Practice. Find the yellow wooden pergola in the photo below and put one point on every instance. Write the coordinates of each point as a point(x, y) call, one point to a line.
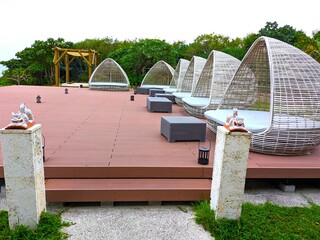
point(91, 57)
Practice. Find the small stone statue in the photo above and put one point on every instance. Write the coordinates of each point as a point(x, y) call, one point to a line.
point(235, 123)
point(22, 119)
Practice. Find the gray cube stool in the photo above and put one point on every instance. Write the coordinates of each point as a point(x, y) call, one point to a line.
point(181, 128)
point(166, 95)
point(153, 91)
point(143, 90)
point(159, 104)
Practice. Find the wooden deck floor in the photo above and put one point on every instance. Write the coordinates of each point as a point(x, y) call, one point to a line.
point(103, 135)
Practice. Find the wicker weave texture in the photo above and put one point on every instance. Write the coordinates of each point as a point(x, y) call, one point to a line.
point(109, 88)
point(161, 73)
point(277, 77)
point(192, 74)
point(179, 72)
point(213, 81)
point(109, 71)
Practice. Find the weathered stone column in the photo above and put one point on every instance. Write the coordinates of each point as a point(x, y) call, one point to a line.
point(24, 174)
point(229, 173)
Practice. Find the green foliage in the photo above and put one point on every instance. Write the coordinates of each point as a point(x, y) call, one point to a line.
point(266, 221)
point(49, 227)
point(204, 44)
point(136, 57)
point(141, 56)
point(36, 61)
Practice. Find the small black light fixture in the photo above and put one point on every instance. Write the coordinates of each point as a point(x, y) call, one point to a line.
point(38, 99)
point(203, 153)
point(66, 91)
point(135, 92)
point(132, 97)
point(43, 146)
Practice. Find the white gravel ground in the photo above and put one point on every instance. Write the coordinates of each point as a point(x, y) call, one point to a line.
point(160, 222)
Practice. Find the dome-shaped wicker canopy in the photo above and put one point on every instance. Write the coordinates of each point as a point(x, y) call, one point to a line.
point(178, 74)
point(158, 76)
point(109, 76)
point(277, 91)
point(213, 82)
point(186, 86)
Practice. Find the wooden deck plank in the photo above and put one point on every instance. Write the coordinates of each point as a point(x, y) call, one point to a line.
point(91, 190)
point(109, 134)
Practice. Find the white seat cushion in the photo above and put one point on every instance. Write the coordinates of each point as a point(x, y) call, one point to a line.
point(155, 86)
point(197, 102)
point(254, 121)
point(182, 94)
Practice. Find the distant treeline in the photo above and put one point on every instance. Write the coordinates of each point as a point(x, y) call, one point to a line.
point(34, 65)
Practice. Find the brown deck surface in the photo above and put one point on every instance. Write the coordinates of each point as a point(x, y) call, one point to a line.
point(98, 134)
point(103, 135)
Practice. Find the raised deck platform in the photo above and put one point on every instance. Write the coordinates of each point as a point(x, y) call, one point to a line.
point(96, 141)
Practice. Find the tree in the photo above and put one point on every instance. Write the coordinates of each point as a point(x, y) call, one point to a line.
point(36, 61)
point(204, 44)
point(17, 76)
point(286, 33)
point(142, 55)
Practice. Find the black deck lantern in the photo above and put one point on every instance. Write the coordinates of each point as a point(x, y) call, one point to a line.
point(132, 97)
point(38, 99)
point(203, 154)
point(66, 91)
point(43, 147)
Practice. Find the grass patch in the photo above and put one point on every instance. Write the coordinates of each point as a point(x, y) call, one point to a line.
point(267, 221)
point(49, 227)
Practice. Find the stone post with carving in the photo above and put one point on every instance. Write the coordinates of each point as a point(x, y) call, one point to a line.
point(229, 173)
point(24, 174)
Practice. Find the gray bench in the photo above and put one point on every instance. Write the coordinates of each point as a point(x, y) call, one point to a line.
point(159, 104)
point(143, 90)
point(183, 128)
point(153, 91)
point(171, 97)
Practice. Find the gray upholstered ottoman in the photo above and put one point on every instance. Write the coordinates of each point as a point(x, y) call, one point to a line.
point(159, 104)
point(153, 91)
point(143, 90)
point(171, 97)
point(181, 128)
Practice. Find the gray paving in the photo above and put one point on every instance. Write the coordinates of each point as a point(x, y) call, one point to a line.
point(161, 222)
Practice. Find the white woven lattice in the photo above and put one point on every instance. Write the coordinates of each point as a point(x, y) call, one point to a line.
point(107, 73)
point(161, 74)
point(179, 72)
point(213, 81)
point(281, 79)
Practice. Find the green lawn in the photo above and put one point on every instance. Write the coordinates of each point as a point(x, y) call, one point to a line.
point(267, 221)
point(49, 228)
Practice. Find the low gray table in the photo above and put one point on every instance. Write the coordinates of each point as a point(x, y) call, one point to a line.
point(143, 90)
point(153, 91)
point(181, 128)
point(166, 95)
point(159, 104)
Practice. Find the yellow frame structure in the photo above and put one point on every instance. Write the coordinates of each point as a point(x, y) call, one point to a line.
point(91, 57)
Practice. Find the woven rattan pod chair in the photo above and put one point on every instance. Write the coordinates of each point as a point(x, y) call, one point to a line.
point(277, 91)
point(214, 79)
point(188, 83)
point(109, 76)
point(178, 75)
point(159, 76)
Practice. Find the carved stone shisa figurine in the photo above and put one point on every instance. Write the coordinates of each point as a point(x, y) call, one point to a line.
point(235, 123)
point(22, 119)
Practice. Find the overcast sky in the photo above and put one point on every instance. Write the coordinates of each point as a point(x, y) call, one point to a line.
point(24, 21)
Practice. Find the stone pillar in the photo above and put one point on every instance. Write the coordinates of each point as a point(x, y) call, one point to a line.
point(229, 173)
point(24, 174)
